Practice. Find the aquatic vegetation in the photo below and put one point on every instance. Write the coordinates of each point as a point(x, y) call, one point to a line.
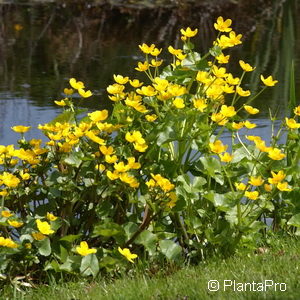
point(155, 178)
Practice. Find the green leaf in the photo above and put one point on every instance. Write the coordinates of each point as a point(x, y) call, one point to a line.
point(224, 202)
point(74, 159)
point(167, 135)
point(130, 228)
point(44, 247)
point(211, 165)
point(294, 220)
point(191, 61)
point(70, 238)
point(108, 230)
point(215, 51)
point(65, 117)
point(108, 262)
point(71, 264)
point(148, 240)
point(170, 249)
point(198, 182)
point(89, 265)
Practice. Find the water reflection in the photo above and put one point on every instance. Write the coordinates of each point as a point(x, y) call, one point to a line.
point(42, 46)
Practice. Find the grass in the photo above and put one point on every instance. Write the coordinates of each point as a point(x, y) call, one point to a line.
point(280, 263)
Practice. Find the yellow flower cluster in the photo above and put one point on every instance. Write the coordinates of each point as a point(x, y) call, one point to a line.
point(160, 181)
point(121, 171)
point(7, 242)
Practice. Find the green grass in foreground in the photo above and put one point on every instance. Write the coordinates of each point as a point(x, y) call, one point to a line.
point(279, 264)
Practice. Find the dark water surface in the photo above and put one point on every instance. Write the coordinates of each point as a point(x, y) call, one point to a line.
point(42, 46)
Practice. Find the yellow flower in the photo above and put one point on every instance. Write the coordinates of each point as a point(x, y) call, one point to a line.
point(142, 67)
point(132, 163)
point(256, 181)
point(228, 89)
point(18, 27)
point(179, 103)
point(202, 76)
point(240, 186)
point(84, 249)
point(231, 80)
point(6, 213)
point(223, 26)
point(251, 110)
point(24, 176)
point(28, 245)
point(131, 180)
point(253, 138)
point(120, 167)
point(92, 136)
point(217, 147)
point(135, 83)
point(246, 67)
point(112, 175)
point(267, 187)
point(261, 145)
point(237, 126)
point(297, 110)
point(20, 128)
point(134, 136)
point(173, 200)
point(222, 59)
point(155, 52)
point(276, 154)
point(219, 118)
point(189, 32)
point(68, 91)
point(226, 157)
point(140, 147)
point(219, 72)
point(85, 94)
point(51, 217)
point(151, 183)
point(111, 159)
point(98, 115)
point(9, 180)
point(60, 103)
point(268, 81)
point(15, 224)
point(151, 118)
point(174, 51)
point(146, 91)
point(120, 79)
point(283, 186)
point(76, 84)
point(156, 63)
point(291, 123)
point(252, 195)
point(115, 88)
point(228, 111)
point(276, 178)
point(106, 150)
point(100, 167)
point(249, 125)
point(128, 255)
point(44, 227)
point(176, 90)
point(242, 92)
point(147, 49)
point(3, 192)
point(200, 104)
point(7, 242)
point(234, 39)
point(163, 183)
point(38, 236)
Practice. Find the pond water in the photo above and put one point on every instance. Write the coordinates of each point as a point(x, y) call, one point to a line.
point(42, 46)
